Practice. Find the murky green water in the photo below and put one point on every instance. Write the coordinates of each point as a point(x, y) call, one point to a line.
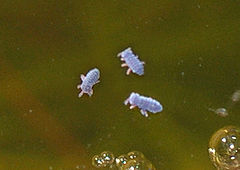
point(191, 50)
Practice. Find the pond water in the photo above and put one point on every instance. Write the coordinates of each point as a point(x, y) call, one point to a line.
point(191, 51)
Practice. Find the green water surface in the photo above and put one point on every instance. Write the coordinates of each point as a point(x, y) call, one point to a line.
point(191, 50)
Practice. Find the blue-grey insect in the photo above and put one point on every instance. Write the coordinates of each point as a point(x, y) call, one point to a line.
point(88, 81)
point(132, 62)
point(143, 103)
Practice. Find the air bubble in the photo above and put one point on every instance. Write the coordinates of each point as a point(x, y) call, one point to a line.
point(139, 165)
point(135, 155)
point(97, 161)
point(121, 161)
point(108, 157)
point(105, 159)
point(224, 148)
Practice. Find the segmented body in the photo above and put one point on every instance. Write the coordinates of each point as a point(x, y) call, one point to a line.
point(132, 61)
point(88, 81)
point(144, 104)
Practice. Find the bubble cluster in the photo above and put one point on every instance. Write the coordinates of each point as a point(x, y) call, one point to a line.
point(105, 159)
point(134, 160)
point(224, 148)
